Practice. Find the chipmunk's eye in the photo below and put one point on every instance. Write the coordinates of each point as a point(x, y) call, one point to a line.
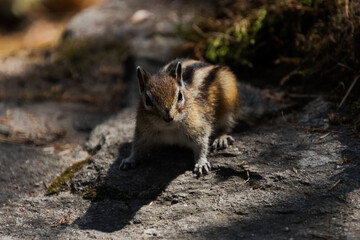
point(148, 101)
point(180, 96)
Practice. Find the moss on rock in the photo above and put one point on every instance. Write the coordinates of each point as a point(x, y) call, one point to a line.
point(63, 181)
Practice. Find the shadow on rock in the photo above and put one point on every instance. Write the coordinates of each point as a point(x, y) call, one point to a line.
point(275, 183)
point(120, 194)
point(309, 212)
point(318, 200)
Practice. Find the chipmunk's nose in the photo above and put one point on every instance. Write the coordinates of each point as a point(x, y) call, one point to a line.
point(167, 116)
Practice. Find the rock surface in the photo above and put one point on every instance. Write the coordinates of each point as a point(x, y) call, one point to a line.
point(272, 184)
point(296, 178)
point(276, 182)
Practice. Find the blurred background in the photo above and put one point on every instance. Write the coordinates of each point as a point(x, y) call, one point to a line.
point(85, 51)
point(35, 23)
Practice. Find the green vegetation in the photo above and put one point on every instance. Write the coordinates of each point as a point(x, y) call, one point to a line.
point(233, 45)
point(312, 46)
point(305, 2)
point(62, 182)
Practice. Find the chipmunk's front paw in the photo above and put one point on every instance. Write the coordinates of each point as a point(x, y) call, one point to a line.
point(202, 168)
point(222, 142)
point(128, 162)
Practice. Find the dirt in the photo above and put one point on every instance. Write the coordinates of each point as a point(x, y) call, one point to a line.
point(294, 177)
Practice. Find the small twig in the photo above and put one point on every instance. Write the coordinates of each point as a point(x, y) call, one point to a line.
point(322, 130)
point(248, 177)
point(323, 236)
point(65, 220)
point(303, 8)
point(310, 129)
point(348, 91)
point(45, 185)
point(292, 73)
point(264, 162)
point(199, 31)
point(335, 184)
point(241, 163)
point(294, 95)
point(324, 136)
point(347, 8)
point(198, 52)
point(345, 66)
point(15, 140)
point(224, 35)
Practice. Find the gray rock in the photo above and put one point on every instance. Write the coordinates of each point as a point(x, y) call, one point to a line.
point(265, 191)
point(276, 182)
point(154, 37)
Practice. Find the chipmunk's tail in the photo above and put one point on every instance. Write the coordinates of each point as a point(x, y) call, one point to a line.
point(255, 104)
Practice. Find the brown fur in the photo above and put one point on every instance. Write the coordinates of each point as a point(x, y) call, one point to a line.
point(173, 110)
point(163, 89)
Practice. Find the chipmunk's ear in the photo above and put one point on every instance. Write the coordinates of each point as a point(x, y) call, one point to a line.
point(178, 74)
point(143, 77)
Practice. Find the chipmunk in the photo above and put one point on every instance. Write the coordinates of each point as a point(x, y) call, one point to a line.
point(185, 103)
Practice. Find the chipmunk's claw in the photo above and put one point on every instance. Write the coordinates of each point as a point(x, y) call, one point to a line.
point(202, 168)
point(127, 163)
point(222, 142)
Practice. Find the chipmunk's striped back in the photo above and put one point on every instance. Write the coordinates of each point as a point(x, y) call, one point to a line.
point(185, 103)
point(213, 86)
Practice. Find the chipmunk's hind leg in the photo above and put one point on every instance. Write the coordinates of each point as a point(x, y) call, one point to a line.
point(222, 139)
